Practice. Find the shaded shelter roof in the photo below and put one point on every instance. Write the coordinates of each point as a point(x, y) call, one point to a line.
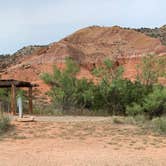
point(17, 83)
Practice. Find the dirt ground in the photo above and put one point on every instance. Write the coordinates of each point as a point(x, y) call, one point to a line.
point(80, 141)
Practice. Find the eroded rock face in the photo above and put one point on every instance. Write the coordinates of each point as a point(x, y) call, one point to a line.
point(88, 47)
point(6, 61)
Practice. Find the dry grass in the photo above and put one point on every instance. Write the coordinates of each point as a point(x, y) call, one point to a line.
point(109, 132)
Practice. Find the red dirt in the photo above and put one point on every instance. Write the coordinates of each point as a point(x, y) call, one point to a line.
point(80, 141)
point(89, 47)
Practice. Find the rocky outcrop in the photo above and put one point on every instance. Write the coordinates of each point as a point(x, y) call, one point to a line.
point(6, 61)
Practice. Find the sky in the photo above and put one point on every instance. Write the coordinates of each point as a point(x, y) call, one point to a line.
point(39, 22)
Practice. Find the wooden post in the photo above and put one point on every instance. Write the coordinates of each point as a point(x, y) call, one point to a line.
point(1, 111)
point(13, 99)
point(30, 101)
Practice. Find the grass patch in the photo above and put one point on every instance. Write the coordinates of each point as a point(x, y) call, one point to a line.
point(130, 120)
point(133, 120)
point(47, 111)
point(118, 120)
point(157, 125)
point(19, 137)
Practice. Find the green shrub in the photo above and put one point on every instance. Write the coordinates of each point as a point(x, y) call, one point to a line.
point(150, 69)
point(4, 94)
point(159, 125)
point(134, 109)
point(152, 105)
point(4, 123)
point(155, 103)
point(66, 90)
point(118, 95)
point(113, 94)
point(140, 119)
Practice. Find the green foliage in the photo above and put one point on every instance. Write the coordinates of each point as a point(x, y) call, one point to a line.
point(159, 125)
point(5, 97)
point(4, 123)
point(117, 93)
point(152, 105)
point(140, 119)
point(109, 90)
point(21, 93)
point(109, 71)
point(113, 94)
point(150, 69)
point(66, 90)
point(134, 109)
point(4, 94)
point(155, 103)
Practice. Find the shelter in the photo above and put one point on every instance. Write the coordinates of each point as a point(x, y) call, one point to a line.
point(13, 84)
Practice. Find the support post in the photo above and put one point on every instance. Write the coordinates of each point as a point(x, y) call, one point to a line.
point(30, 101)
point(1, 111)
point(13, 99)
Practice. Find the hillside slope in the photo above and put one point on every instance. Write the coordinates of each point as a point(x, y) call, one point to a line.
point(159, 33)
point(89, 47)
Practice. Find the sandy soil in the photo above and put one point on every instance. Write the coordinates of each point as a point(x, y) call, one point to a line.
point(80, 141)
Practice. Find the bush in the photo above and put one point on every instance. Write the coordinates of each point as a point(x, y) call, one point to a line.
point(155, 103)
point(141, 119)
point(150, 69)
point(121, 95)
point(159, 125)
point(4, 123)
point(152, 105)
point(66, 90)
point(113, 94)
point(134, 109)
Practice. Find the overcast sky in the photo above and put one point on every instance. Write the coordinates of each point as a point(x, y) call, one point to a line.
point(29, 22)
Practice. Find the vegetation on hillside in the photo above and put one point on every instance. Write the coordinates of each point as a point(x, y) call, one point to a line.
point(151, 69)
point(113, 94)
point(159, 33)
